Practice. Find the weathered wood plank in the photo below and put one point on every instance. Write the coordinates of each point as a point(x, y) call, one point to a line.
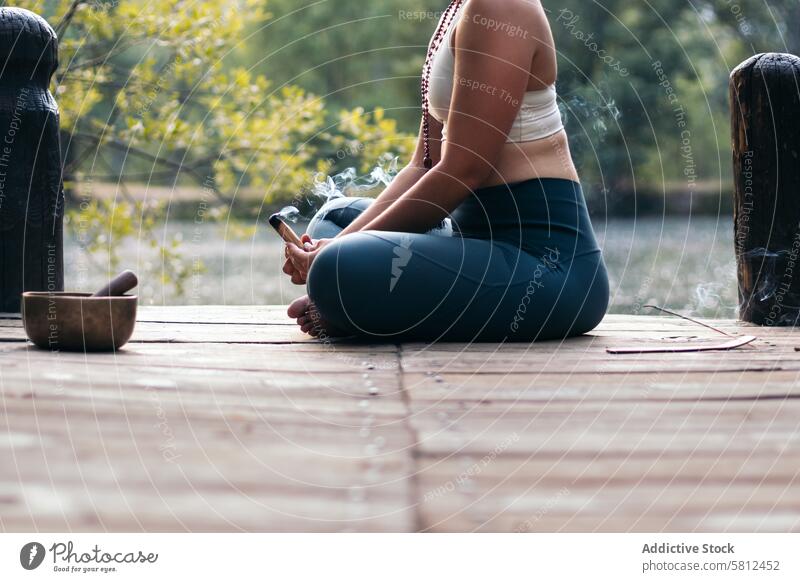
point(608, 493)
point(132, 383)
point(240, 357)
point(216, 314)
point(589, 428)
point(207, 424)
point(249, 412)
point(161, 332)
point(637, 507)
point(594, 363)
point(517, 389)
point(211, 314)
point(93, 457)
point(82, 509)
point(270, 324)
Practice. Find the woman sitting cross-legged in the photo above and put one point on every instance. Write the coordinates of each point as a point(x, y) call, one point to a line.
point(522, 262)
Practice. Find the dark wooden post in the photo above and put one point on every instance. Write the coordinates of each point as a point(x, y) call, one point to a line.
point(31, 192)
point(765, 102)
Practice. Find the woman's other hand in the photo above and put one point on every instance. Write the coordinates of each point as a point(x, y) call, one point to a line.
point(288, 265)
point(299, 260)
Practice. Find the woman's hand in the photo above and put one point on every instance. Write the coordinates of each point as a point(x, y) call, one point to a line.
point(298, 261)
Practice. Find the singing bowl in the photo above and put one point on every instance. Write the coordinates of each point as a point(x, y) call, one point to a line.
point(78, 322)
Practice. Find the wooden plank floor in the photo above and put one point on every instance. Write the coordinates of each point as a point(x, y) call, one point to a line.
point(228, 419)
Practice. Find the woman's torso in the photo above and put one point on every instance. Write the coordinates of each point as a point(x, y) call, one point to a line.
point(548, 157)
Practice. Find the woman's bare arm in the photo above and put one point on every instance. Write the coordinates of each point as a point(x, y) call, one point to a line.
point(299, 260)
point(492, 74)
point(404, 180)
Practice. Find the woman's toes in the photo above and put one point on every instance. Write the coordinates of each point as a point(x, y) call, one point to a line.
point(299, 307)
point(312, 328)
point(309, 319)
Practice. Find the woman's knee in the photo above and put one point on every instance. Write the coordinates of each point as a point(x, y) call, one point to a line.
point(333, 281)
point(347, 277)
point(335, 215)
point(322, 275)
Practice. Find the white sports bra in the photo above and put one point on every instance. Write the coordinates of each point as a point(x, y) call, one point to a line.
point(538, 116)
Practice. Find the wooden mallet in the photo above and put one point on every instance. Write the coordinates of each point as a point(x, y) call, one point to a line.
point(119, 285)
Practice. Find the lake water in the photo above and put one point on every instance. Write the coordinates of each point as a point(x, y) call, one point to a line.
point(683, 263)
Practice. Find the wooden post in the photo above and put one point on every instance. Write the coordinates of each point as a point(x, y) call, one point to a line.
point(31, 192)
point(765, 103)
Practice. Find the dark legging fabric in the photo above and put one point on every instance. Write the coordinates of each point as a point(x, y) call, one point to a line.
point(522, 264)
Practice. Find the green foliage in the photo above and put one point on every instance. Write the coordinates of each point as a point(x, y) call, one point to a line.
point(759, 26)
point(153, 92)
point(248, 96)
point(105, 224)
point(665, 84)
point(366, 54)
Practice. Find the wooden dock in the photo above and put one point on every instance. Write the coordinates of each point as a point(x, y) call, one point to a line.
point(229, 419)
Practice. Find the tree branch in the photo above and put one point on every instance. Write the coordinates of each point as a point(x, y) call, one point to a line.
point(142, 154)
point(62, 26)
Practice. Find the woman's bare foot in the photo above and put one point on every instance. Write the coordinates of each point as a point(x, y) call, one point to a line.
point(310, 320)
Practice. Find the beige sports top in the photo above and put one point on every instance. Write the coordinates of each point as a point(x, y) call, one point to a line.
point(538, 116)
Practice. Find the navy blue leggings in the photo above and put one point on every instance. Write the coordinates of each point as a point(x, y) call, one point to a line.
point(522, 264)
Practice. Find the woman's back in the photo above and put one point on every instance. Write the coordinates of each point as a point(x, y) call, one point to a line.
point(537, 145)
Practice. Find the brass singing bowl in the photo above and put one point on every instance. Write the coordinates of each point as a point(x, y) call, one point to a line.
point(77, 321)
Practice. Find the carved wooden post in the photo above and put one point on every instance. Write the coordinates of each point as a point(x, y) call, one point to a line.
point(765, 102)
point(31, 192)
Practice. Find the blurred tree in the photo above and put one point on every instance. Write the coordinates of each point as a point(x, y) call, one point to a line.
point(761, 25)
point(368, 54)
point(640, 96)
point(149, 92)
